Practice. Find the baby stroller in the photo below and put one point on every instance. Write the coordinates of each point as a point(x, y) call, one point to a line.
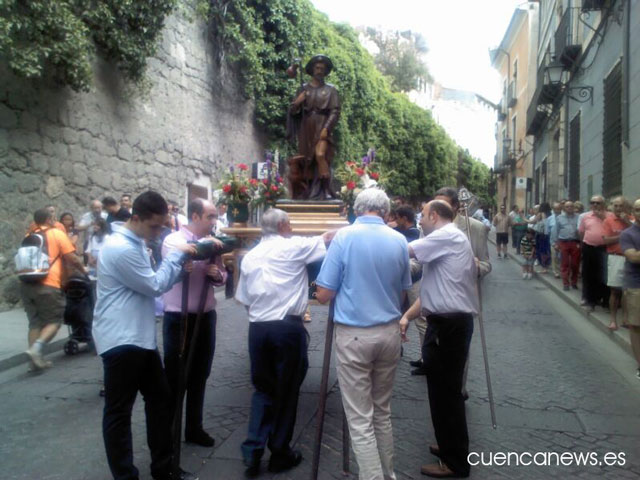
point(78, 314)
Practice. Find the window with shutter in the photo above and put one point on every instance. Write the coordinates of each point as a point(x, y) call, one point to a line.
point(574, 158)
point(612, 134)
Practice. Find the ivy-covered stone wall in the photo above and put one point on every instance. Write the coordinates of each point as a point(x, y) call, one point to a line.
point(185, 124)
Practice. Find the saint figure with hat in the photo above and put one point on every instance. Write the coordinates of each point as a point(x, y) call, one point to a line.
point(313, 114)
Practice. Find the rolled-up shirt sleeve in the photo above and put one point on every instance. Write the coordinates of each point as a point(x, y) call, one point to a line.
point(134, 271)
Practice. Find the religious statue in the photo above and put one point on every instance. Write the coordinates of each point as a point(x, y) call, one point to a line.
point(313, 114)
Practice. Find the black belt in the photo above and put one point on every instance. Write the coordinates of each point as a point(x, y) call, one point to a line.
point(292, 318)
point(563, 240)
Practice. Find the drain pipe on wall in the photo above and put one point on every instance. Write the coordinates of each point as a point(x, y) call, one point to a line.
point(626, 72)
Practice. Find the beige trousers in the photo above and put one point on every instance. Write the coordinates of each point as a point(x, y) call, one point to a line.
point(555, 261)
point(366, 363)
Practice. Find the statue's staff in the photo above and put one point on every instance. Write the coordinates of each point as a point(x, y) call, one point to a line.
point(466, 200)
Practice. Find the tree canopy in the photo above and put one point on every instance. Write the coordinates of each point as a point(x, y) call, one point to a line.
point(399, 57)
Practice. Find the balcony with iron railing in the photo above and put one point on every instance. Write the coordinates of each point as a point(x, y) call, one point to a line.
point(568, 47)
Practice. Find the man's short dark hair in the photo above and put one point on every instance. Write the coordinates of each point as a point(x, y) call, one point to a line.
point(41, 216)
point(109, 201)
point(125, 195)
point(442, 208)
point(195, 206)
point(451, 193)
point(406, 212)
point(148, 204)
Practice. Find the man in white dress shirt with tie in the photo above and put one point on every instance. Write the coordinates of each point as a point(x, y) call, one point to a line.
point(273, 285)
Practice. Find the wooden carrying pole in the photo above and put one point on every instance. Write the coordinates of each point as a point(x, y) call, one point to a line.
point(322, 403)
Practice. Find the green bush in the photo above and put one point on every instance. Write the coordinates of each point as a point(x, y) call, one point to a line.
point(58, 39)
point(260, 38)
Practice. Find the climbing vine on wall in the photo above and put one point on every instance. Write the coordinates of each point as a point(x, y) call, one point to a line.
point(58, 39)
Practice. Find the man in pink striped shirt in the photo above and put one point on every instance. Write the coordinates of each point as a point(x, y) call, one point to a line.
point(202, 219)
point(594, 254)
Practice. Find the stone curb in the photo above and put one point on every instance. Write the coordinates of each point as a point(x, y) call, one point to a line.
point(20, 358)
point(592, 317)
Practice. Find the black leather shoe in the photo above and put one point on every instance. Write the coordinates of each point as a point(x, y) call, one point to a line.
point(419, 371)
point(179, 475)
point(280, 463)
point(253, 464)
point(416, 363)
point(201, 438)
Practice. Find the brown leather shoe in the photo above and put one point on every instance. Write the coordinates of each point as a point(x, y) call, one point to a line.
point(439, 470)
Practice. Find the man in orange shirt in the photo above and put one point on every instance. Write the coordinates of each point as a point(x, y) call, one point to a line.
point(44, 302)
point(612, 227)
point(56, 224)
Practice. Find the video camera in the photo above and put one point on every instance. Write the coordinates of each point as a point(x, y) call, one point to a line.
point(206, 249)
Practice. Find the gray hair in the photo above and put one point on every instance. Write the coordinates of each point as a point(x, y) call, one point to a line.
point(272, 219)
point(372, 200)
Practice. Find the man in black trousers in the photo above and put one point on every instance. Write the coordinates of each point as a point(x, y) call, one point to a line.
point(203, 274)
point(273, 285)
point(448, 300)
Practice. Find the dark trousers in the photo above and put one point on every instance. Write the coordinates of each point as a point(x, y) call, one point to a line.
point(516, 236)
point(127, 370)
point(570, 261)
point(445, 350)
point(594, 275)
point(278, 352)
point(204, 348)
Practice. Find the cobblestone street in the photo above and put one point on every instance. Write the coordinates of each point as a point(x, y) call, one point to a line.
point(559, 386)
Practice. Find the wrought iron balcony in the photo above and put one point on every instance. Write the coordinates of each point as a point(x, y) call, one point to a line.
point(536, 115)
point(568, 48)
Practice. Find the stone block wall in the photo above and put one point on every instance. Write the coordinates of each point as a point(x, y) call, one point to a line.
point(66, 148)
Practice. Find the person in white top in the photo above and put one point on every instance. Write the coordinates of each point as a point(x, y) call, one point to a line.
point(273, 285)
point(96, 242)
point(448, 298)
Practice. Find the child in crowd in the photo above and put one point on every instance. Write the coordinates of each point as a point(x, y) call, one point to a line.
point(528, 251)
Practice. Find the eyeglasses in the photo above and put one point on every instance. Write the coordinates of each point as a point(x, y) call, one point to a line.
point(596, 203)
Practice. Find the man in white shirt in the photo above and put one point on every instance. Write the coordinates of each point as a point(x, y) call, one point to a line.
point(448, 299)
point(273, 285)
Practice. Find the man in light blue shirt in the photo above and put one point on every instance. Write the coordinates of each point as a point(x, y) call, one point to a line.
point(124, 330)
point(367, 270)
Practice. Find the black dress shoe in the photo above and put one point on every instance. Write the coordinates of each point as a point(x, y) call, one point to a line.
point(416, 363)
point(253, 464)
point(179, 475)
point(200, 437)
point(419, 371)
point(280, 463)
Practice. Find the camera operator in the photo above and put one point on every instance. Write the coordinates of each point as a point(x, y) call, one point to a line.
point(202, 218)
point(124, 330)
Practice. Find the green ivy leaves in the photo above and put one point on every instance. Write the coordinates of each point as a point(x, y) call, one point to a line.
point(58, 38)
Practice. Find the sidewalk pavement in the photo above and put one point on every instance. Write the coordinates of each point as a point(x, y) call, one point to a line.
point(598, 317)
point(13, 338)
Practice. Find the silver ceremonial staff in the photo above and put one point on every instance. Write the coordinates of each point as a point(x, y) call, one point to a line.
point(466, 200)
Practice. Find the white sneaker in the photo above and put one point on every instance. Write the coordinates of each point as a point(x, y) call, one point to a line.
point(524, 276)
point(37, 360)
point(529, 276)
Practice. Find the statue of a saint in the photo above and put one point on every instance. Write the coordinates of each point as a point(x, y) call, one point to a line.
point(313, 114)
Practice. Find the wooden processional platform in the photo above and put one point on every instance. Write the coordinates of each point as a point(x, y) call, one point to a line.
point(308, 218)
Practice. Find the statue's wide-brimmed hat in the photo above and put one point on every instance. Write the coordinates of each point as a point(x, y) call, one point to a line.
point(316, 59)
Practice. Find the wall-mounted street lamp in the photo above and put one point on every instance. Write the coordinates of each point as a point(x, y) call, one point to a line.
point(510, 151)
point(553, 74)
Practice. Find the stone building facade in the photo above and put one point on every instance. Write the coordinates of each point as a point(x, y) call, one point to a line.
point(584, 113)
point(65, 148)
